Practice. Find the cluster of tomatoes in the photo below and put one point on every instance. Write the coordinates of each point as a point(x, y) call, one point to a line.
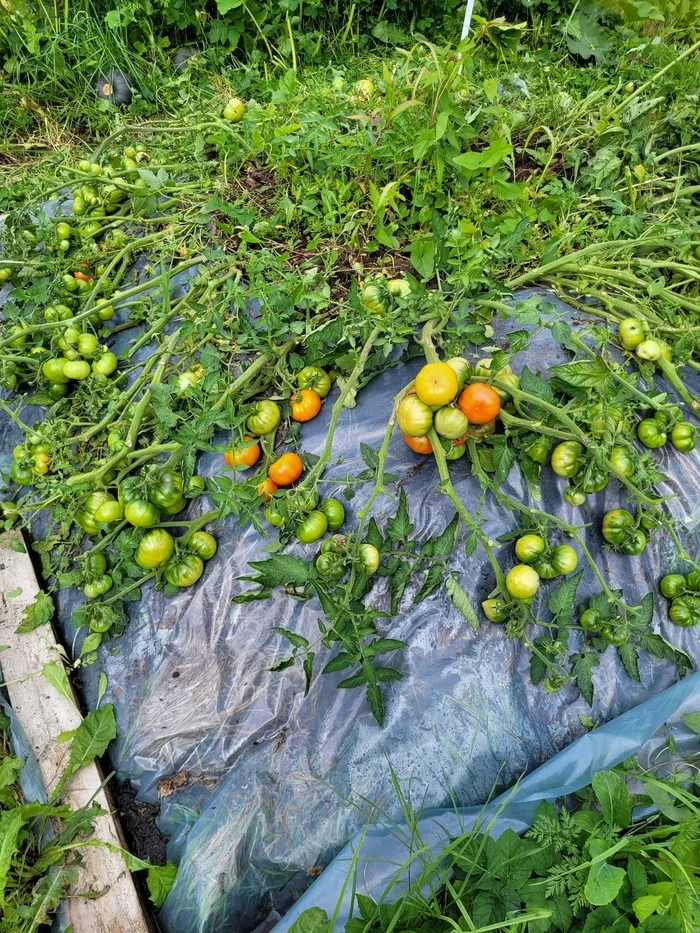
point(102, 196)
point(283, 504)
point(31, 459)
point(441, 399)
point(684, 593)
point(539, 561)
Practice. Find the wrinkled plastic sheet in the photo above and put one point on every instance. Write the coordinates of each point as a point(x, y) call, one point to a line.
point(374, 859)
point(268, 781)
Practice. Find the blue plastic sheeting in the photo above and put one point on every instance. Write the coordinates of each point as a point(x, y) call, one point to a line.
point(269, 779)
point(374, 856)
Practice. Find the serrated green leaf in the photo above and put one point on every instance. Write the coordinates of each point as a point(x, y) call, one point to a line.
point(536, 385)
point(629, 656)
point(293, 637)
point(37, 613)
point(444, 544)
point(582, 671)
point(563, 599)
point(503, 457)
point(282, 570)
point(399, 527)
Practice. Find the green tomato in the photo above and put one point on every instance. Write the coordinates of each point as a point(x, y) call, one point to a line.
point(590, 620)
point(314, 526)
point(22, 472)
point(264, 418)
point(495, 610)
point(63, 230)
point(95, 565)
point(98, 587)
point(58, 390)
point(545, 569)
point(597, 480)
point(115, 441)
point(374, 297)
point(195, 487)
point(566, 458)
point(234, 111)
point(522, 582)
point(414, 417)
point(54, 370)
point(108, 512)
point(76, 369)
point(622, 461)
point(509, 379)
point(101, 623)
point(693, 581)
point(672, 585)
point(79, 206)
point(6, 274)
point(334, 511)
point(564, 559)
point(274, 516)
point(450, 423)
point(574, 496)
point(313, 377)
point(483, 369)
point(650, 433)
point(86, 515)
point(166, 491)
point(462, 368)
point(155, 549)
point(649, 350)
point(636, 544)
point(331, 566)
point(398, 288)
point(203, 544)
point(106, 313)
point(370, 557)
point(615, 634)
point(184, 570)
point(681, 614)
point(176, 507)
point(529, 547)
point(130, 489)
point(683, 437)
point(141, 513)
point(539, 449)
point(631, 333)
point(106, 364)
point(617, 525)
point(456, 451)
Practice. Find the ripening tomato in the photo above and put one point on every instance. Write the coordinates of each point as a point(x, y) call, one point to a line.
point(109, 511)
point(436, 384)
point(243, 457)
point(141, 513)
point(421, 444)
point(451, 423)
point(399, 288)
point(522, 582)
point(529, 547)
point(413, 416)
point(479, 402)
point(370, 557)
point(494, 610)
point(306, 404)
point(462, 368)
point(564, 559)
point(566, 458)
point(155, 549)
point(286, 470)
point(266, 487)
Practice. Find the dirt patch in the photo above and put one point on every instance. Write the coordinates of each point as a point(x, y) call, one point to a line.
point(138, 821)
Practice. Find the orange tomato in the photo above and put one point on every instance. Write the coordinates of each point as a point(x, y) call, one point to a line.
point(81, 276)
point(420, 444)
point(286, 470)
point(479, 402)
point(306, 404)
point(243, 456)
point(266, 488)
point(436, 384)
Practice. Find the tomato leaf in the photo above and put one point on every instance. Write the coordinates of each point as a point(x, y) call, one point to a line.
point(589, 374)
point(503, 457)
point(308, 668)
point(629, 656)
point(293, 637)
point(281, 570)
point(37, 613)
point(536, 385)
point(582, 670)
point(376, 702)
point(399, 527)
point(563, 599)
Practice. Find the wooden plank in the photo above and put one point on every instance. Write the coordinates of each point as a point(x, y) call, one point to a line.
point(43, 713)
